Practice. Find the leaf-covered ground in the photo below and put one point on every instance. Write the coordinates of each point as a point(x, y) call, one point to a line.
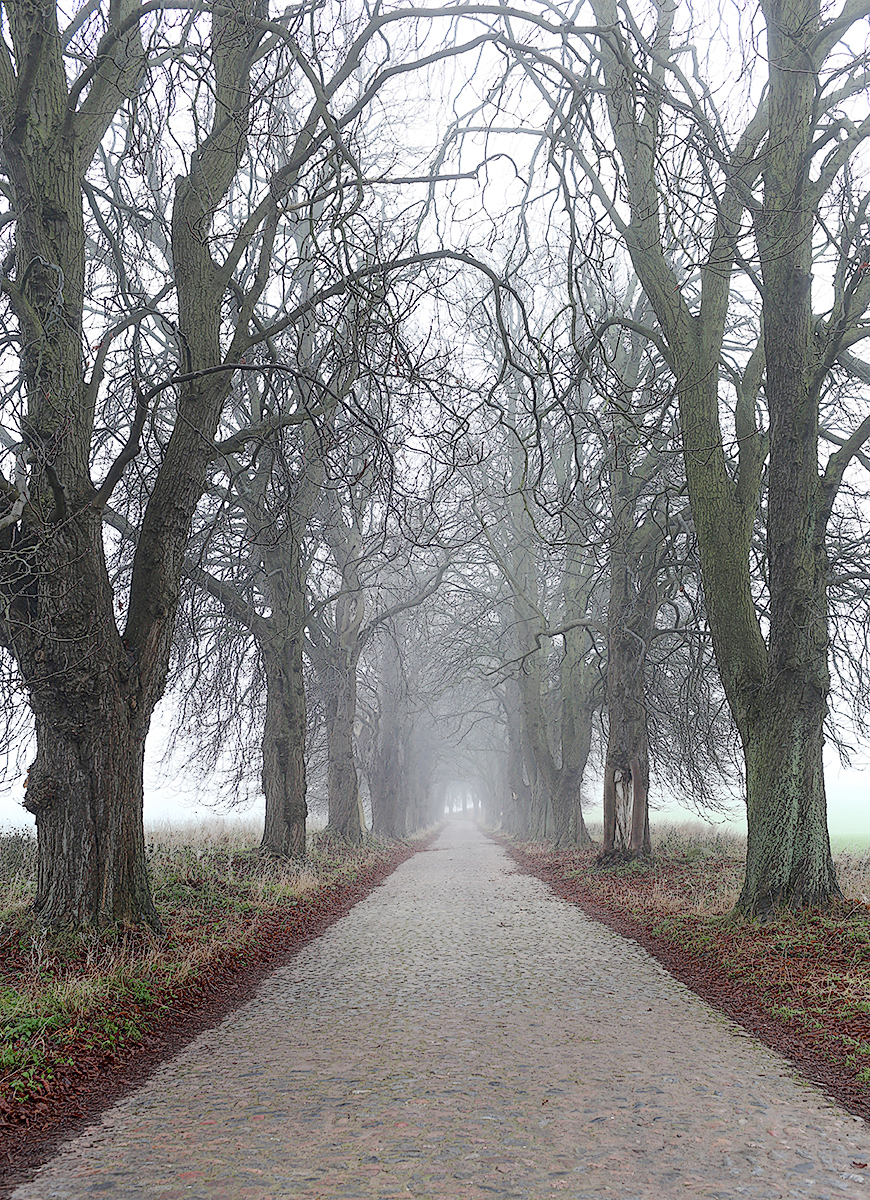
point(802, 984)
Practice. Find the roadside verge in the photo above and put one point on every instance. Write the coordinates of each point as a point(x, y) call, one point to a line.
point(85, 1065)
point(801, 985)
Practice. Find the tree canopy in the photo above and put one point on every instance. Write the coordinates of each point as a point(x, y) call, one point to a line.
point(536, 328)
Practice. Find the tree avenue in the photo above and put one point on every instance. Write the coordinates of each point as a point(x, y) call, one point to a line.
point(777, 687)
point(353, 389)
point(730, 222)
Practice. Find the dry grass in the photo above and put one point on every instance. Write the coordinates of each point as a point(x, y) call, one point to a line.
point(698, 869)
point(805, 977)
point(216, 897)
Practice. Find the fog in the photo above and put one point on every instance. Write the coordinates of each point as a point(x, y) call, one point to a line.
point(848, 805)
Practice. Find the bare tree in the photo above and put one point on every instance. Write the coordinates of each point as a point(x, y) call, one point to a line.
point(118, 77)
point(710, 203)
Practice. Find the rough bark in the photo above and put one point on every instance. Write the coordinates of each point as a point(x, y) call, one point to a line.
point(284, 757)
point(93, 689)
point(788, 852)
point(776, 688)
point(91, 711)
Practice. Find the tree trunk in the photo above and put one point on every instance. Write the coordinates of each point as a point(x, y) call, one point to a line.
point(339, 681)
point(284, 751)
point(582, 835)
point(517, 817)
point(777, 690)
point(85, 790)
point(788, 860)
point(788, 853)
point(538, 807)
point(92, 691)
point(387, 815)
point(633, 562)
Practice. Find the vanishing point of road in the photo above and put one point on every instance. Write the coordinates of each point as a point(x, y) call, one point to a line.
point(462, 1034)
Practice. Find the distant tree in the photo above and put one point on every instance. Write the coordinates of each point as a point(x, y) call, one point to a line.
point(663, 693)
point(267, 498)
point(369, 579)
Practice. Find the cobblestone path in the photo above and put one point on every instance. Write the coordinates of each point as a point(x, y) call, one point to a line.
point(463, 1035)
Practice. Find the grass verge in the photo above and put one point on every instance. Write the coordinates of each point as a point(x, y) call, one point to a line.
point(802, 984)
point(74, 1008)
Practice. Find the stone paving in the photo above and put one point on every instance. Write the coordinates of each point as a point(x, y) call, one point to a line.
point(464, 1035)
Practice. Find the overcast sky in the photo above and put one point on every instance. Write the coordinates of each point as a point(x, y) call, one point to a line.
point(848, 802)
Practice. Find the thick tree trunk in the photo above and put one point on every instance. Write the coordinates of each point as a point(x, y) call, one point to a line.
point(788, 854)
point(342, 779)
point(92, 709)
point(284, 752)
point(85, 789)
point(777, 690)
point(788, 860)
point(92, 692)
point(626, 767)
point(538, 808)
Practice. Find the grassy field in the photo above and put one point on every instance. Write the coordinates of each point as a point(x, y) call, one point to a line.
point(854, 843)
point(73, 1002)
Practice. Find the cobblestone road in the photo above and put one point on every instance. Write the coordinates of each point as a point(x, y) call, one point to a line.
point(463, 1035)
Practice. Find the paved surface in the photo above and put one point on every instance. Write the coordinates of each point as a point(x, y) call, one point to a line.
point(463, 1035)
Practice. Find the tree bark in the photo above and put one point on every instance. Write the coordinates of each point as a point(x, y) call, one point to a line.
point(777, 689)
point(90, 706)
point(93, 691)
point(788, 852)
point(85, 784)
point(517, 816)
point(338, 680)
point(633, 560)
point(284, 783)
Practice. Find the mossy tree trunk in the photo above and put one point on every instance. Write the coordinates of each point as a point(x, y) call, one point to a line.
point(788, 855)
point(777, 685)
point(92, 687)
